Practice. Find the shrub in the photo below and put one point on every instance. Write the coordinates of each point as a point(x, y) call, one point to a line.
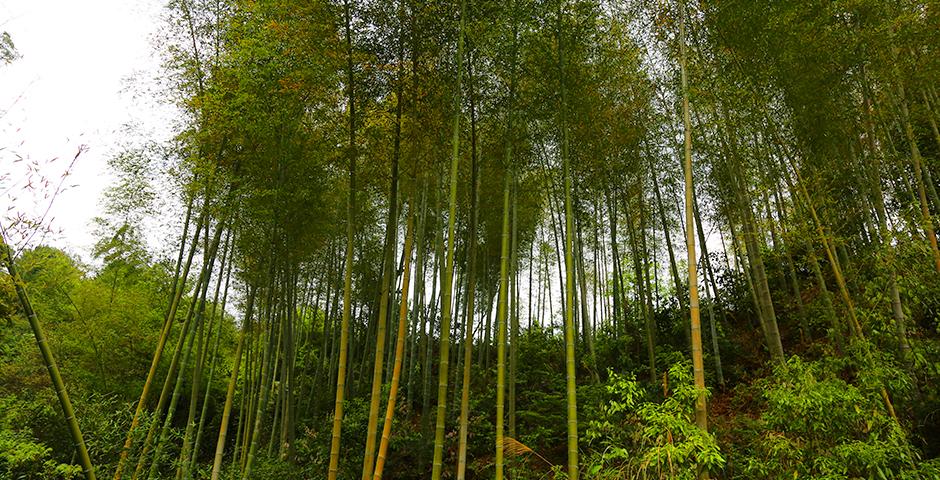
point(658, 439)
point(815, 424)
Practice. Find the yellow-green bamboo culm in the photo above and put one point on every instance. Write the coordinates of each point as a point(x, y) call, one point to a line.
point(49, 361)
point(399, 349)
point(447, 279)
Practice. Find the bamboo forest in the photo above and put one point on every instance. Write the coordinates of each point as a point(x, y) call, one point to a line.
point(480, 239)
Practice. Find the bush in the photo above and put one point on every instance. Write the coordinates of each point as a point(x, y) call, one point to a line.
point(658, 439)
point(815, 424)
point(22, 458)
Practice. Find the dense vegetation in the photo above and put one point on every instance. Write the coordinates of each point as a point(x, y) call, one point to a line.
point(480, 239)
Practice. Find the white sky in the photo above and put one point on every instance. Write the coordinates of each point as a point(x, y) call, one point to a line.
point(68, 89)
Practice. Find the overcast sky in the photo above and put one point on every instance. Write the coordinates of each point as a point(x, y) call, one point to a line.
point(69, 89)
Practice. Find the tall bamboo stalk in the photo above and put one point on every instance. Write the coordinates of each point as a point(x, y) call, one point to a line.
point(501, 318)
point(48, 360)
point(448, 274)
point(350, 245)
point(571, 384)
point(175, 296)
point(701, 418)
point(230, 392)
point(471, 295)
point(399, 346)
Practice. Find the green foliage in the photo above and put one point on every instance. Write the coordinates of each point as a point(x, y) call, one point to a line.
point(638, 435)
point(813, 423)
point(540, 389)
point(22, 458)
point(102, 326)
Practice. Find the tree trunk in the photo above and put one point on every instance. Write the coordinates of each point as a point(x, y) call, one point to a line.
point(179, 280)
point(399, 346)
point(571, 385)
point(501, 319)
point(471, 286)
point(350, 233)
point(391, 239)
point(49, 361)
point(230, 392)
point(447, 280)
point(701, 418)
